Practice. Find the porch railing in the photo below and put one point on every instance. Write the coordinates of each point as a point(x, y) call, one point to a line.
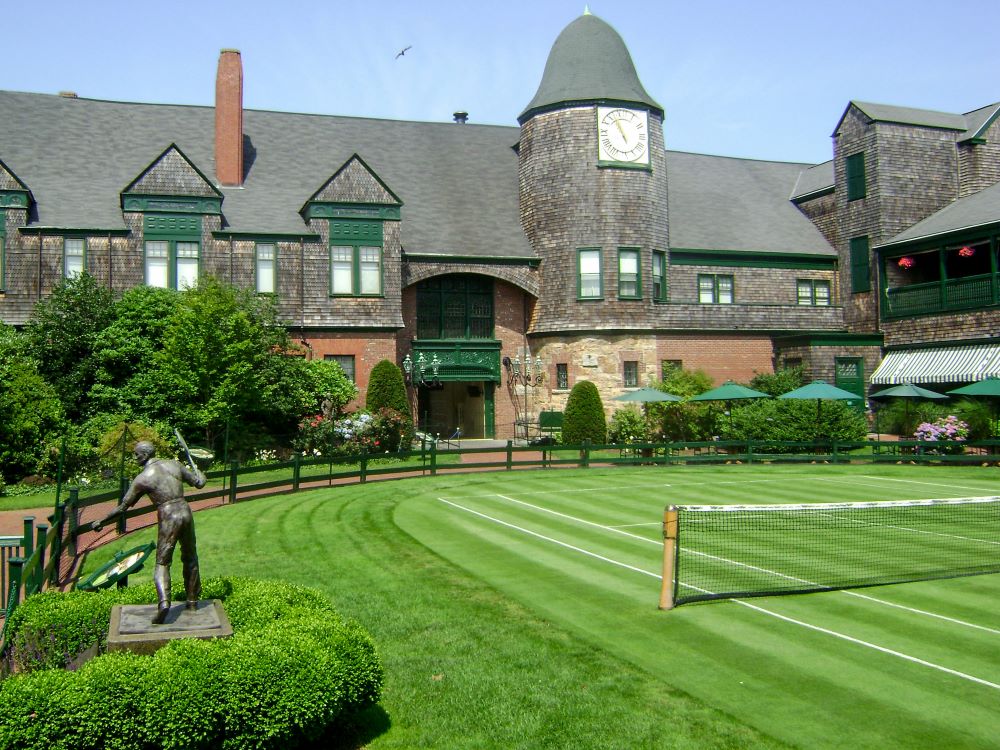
point(941, 296)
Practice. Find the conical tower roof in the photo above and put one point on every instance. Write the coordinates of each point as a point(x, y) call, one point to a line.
point(589, 62)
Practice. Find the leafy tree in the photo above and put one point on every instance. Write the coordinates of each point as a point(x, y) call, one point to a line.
point(61, 336)
point(628, 425)
point(683, 421)
point(31, 415)
point(330, 385)
point(583, 417)
point(386, 389)
point(222, 360)
point(125, 352)
point(779, 382)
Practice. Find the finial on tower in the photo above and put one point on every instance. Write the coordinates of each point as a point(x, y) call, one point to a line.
point(586, 10)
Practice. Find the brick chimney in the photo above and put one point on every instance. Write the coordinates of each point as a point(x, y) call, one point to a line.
point(229, 119)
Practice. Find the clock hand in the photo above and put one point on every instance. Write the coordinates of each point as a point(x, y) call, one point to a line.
point(621, 130)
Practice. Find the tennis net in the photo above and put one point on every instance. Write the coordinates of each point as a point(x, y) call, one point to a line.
point(737, 551)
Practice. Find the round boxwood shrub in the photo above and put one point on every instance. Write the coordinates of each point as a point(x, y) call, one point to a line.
point(291, 672)
point(583, 417)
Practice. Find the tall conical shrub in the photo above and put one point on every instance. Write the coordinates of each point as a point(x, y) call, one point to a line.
point(583, 418)
point(386, 389)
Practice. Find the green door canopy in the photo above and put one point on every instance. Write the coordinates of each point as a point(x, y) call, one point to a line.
point(823, 391)
point(908, 390)
point(988, 387)
point(647, 395)
point(729, 391)
point(461, 361)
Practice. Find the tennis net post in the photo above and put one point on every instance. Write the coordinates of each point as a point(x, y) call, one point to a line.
point(668, 581)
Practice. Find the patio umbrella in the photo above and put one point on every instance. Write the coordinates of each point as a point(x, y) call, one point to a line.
point(990, 387)
point(647, 395)
point(821, 391)
point(729, 392)
point(906, 391)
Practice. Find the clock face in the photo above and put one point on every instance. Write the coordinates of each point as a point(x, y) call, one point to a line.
point(622, 135)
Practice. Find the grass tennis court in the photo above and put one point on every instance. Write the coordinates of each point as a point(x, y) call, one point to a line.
point(519, 609)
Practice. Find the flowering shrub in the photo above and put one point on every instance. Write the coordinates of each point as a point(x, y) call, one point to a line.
point(384, 432)
point(906, 262)
point(947, 432)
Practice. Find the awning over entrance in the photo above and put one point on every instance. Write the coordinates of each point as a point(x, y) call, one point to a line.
point(946, 364)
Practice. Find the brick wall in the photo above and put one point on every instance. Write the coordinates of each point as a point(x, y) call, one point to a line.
point(368, 349)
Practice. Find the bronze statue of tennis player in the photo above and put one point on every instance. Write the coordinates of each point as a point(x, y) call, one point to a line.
point(161, 480)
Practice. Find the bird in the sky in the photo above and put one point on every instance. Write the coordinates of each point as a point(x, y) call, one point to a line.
point(402, 52)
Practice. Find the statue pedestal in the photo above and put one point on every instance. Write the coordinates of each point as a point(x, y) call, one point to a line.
point(132, 628)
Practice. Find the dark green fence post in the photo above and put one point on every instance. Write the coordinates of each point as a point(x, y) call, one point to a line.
point(834, 452)
point(585, 455)
point(234, 468)
point(14, 566)
point(58, 519)
point(28, 538)
point(434, 448)
point(40, 533)
point(510, 454)
point(363, 466)
point(74, 499)
point(296, 472)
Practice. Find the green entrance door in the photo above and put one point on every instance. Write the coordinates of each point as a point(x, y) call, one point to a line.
point(850, 376)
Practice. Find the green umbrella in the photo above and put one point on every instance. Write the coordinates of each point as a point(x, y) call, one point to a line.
point(989, 387)
point(729, 392)
point(907, 391)
point(647, 395)
point(821, 391)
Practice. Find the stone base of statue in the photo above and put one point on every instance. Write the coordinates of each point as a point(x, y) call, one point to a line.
point(132, 628)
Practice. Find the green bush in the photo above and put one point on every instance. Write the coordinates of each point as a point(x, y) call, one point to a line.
point(628, 425)
point(290, 673)
point(583, 417)
point(386, 389)
point(793, 421)
point(683, 421)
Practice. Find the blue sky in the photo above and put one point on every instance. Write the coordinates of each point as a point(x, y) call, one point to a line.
point(765, 79)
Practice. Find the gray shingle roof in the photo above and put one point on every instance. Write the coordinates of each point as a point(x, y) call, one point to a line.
point(812, 180)
point(458, 183)
point(720, 203)
point(910, 116)
point(588, 62)
point(976, 210)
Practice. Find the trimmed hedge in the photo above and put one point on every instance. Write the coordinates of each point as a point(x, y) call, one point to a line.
point(291, 672)
point(583, 417)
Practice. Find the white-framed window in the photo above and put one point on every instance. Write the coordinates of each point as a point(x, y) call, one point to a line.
point(172, 264)
point(355, 270)
point(659, 276)
point(74, 256)
point(629, 280)
point(267, 261)
point(814, 292)
point(715, 289)
point(589, 273)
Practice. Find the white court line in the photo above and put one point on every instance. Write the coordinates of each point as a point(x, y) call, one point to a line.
point(817, 628)
point(845, 592)
point(930, 484)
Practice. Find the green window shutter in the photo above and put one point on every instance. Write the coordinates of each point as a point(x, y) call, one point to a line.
point(355, 232)
point(3, 254)
point(856, 185)
point(861, 277)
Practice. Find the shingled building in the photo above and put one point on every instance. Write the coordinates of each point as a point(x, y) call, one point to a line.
point(575, 246)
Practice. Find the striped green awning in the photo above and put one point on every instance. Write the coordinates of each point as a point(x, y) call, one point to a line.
point(946, 364)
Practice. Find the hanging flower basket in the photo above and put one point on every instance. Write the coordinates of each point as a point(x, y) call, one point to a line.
point(966, 252)
point(906, 262)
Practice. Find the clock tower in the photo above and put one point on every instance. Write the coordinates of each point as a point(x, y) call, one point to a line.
point(593, 189)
